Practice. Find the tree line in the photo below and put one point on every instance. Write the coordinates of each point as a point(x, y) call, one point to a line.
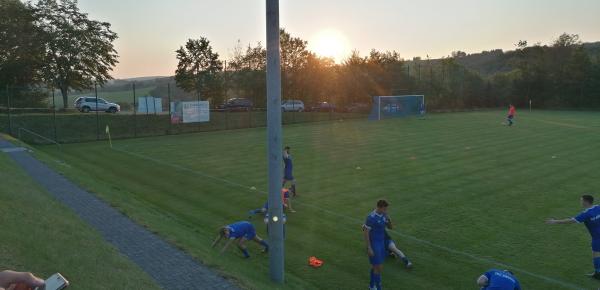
point(51, 43)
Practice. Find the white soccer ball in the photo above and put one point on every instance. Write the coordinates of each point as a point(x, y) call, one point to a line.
point(252, 188)
point(358, 168)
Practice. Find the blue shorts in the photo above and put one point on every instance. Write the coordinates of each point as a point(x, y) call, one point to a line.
point(379, 254)
point(250, 234)
point(288, 176)
point(510, 117)
point(596, 245)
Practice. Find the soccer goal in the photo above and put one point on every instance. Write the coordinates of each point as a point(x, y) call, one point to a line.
point(397, 106)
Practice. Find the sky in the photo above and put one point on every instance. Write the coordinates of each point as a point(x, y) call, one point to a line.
point(151, 30)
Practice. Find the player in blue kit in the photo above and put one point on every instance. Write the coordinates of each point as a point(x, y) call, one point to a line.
point(590, 217)
point(374, 234)
point(288, 168)
point(241, 232)
point(498, 280)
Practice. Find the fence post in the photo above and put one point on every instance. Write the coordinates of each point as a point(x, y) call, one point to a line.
point(54, 115)
point(169, 97)
point(8, 108)
point(134, 114)
point(97, 118)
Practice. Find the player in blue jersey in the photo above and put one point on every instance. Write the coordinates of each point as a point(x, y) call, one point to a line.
point(288, 168)
point(498, 280)
point(240, 232)
point(590, 217)
point(374, 234)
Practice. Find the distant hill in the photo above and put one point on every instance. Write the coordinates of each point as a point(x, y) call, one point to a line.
point(495, 61)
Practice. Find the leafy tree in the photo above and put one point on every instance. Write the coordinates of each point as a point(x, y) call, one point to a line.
point(199, 70)
point(79, 51)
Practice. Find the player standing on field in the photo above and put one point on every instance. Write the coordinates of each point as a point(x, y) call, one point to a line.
point(590, 217)
point(511, 114)
point(287, 170)
point(374, 234)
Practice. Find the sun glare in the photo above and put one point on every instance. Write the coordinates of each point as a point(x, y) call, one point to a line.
point(330, 43)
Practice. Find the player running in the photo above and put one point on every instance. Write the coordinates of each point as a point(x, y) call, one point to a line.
point(374, 234)
point(285, 199)
point(287, 171)
point(394, 251)
point(591, 218)
point(498, 280)
point(241, 232)
point(511, 114)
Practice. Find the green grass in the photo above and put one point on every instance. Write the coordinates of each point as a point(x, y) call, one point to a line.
point(44, 237)
point(461, 181)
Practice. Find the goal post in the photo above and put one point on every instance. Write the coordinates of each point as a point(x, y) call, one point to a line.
point(385, 107)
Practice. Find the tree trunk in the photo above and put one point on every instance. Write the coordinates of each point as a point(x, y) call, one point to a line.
point(64, 92)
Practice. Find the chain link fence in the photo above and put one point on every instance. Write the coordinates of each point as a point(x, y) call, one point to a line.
point(42, 115)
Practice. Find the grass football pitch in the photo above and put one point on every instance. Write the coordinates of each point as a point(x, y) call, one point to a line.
point(467, 194)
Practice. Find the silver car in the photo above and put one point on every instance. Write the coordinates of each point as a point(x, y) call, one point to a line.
point(86, 104)
point(292, 106)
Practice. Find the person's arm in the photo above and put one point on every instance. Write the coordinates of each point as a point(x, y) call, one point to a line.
point(482, 281)
point(217, 240)
point(366, 230)
point(561, 222)
point(388, 222)
point(226, 246)
point(19, 280)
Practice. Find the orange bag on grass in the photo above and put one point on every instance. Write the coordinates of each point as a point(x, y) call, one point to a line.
point(314, 262)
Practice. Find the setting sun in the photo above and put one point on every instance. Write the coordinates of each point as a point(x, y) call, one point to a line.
point(330, 43)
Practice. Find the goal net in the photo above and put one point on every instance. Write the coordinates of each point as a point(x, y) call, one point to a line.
point(397, 106)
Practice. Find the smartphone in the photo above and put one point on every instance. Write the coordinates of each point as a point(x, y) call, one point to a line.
point(55, 282)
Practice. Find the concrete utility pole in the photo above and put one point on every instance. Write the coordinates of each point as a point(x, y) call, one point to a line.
point(275, 222)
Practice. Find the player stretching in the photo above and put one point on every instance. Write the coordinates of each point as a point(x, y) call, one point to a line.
point(391, 247)
point(591, 218)
point(287, 171)
point(374, 234)
point(498, 280)
point(241, 232)
point(511, 114)
point(285, 199)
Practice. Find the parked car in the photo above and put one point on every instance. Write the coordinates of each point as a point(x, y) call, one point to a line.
point(358, 108)
point(323, 107)
point(292, 106)
point(86, 104)
point(237, 104)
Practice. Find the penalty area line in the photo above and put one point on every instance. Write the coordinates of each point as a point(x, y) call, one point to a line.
point(355, 220)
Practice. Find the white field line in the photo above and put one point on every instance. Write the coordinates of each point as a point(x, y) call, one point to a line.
point(568, 125)
point(358, 221)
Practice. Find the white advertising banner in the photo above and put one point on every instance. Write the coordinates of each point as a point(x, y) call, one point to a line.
point(195, 112)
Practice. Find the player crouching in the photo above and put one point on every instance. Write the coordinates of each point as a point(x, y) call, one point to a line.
point(395, 252)
point(285, 199)
point(240, 232)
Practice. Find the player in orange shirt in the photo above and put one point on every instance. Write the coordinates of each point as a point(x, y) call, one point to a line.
point(511, 114)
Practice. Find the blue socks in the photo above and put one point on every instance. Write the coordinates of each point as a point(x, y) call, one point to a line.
point(597, 264)
point(245, 252)
point(375, 280)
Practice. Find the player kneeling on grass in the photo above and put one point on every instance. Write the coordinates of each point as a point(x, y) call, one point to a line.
point(498, 280)
point(285, 199)
point(394, 251)
point(590, 217)
point(240, 232)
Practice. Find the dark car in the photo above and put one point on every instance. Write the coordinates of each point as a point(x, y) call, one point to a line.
point(237, 104)
point(323, 107)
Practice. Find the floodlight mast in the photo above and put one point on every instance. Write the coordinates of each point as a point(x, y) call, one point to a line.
point(274, 146)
